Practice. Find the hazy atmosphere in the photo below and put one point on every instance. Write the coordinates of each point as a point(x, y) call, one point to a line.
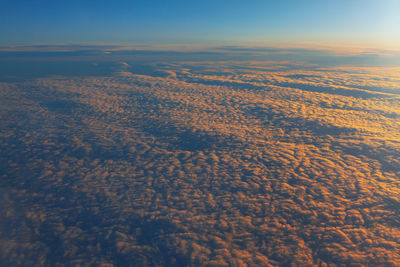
point(204, 133)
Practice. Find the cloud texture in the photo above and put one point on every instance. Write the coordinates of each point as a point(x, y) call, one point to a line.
point(206, 164)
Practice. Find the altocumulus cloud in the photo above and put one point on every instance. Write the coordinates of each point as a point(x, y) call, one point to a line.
point(216, 163)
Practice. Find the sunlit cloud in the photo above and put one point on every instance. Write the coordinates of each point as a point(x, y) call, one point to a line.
point(227, 163)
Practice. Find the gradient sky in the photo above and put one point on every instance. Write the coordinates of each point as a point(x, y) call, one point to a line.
point(355, 22)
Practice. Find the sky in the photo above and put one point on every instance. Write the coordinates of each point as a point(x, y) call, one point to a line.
point(370, 23)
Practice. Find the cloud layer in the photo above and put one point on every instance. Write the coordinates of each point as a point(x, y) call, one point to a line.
point(203, 163)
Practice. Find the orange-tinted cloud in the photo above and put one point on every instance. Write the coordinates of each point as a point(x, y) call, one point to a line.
point(237, 165)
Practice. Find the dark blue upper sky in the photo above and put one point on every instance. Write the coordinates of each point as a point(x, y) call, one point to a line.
point(360, 22)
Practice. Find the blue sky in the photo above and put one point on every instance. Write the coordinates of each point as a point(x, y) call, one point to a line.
point(355, 22)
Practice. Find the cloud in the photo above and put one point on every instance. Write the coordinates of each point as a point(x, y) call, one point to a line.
point(203, 167)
